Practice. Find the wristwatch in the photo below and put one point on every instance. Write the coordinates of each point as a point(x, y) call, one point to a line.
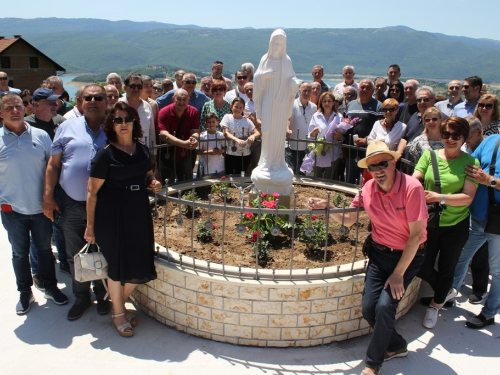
point(443, 199)
point(493, 182)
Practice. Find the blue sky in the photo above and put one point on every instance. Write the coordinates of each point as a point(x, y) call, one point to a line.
point(458, 17)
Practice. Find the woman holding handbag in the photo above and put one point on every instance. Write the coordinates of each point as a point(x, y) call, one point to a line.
point(456, 194)
point(118, 212)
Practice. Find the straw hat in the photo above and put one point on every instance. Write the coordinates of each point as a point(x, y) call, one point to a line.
point(376, 148)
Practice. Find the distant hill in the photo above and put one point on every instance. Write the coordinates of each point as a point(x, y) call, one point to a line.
point(100, 46)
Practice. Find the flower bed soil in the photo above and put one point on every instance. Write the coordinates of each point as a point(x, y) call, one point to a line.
point(238, 247)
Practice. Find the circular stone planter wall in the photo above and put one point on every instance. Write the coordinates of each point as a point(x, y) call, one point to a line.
point(269, 313)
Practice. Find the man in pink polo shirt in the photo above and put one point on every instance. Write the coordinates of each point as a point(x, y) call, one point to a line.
point(395, 203)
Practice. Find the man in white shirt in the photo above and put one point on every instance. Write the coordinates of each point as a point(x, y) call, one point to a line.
point(241, 78)
point(455, 97)
point(348, 74)
point(298, 125)
point(77, 109)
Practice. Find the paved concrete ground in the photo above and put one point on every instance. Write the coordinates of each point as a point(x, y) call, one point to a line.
point(45, 342)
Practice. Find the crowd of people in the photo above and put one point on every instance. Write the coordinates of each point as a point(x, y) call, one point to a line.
point(124, 137)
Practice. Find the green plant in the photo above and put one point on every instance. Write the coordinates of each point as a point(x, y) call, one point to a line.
point(190, 196)
point(204, 234)
point(219, 187)
point(317, 240)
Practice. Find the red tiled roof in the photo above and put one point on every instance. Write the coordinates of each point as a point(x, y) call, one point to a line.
point(5, 43)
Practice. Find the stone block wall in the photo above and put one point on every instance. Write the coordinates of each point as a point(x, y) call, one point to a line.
point(259, 312)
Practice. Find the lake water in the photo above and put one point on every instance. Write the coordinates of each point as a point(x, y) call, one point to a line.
point(69, 88)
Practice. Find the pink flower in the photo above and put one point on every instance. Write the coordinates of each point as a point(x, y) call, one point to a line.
point(263, 195)
point(223, 177)
point(314, 217)
point(249, 205)
point(275, 195)
point(248, 215)
point(273, 204)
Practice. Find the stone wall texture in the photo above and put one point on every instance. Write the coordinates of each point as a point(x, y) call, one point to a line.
point(259, 312)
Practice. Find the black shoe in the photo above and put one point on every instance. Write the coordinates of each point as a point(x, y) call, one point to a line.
point(24, 304)
point(426, 301)
point(38, 282)
point(103, 306)
point(56, 295)
point(64, 268)
point(477, 298)
point(400, 353)
point(78, 309)
point(479, 321)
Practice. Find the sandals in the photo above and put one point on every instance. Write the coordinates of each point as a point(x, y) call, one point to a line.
point(125, 329)
point(131, 318)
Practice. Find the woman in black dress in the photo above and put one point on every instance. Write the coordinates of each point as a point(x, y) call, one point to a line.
point(118, 212)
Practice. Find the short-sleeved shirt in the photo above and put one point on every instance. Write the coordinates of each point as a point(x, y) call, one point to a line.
point(299, 123)
point(391, 212)
point(233, 94)
point(49, 126)
point(340, 87)
point(78, 146)
point(212, 163)
point(368, 113)
point(390, 138)
point(484, 152)
point(211, 107)
point(452, 176)
point(169, 121)
point(241, 128)
point(23, 160)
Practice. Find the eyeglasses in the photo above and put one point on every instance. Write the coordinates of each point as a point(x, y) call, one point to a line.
point(215, 89)
point(454, 88)
point(394, 90)
point(483, 106)
point(425, 100)
point(242, 77)
point(388, 109)
point(190, 82)
point(448, 135)
point(134, 86)
point(382, 165)
point(112, 96)
point(97, 98)
point(433, 119)
point(158, 89)
point(4, 78)
point(126, 120)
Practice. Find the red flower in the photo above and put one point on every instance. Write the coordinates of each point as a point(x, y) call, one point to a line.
point(314, 217)
point(273, 204)
point(223, 177)
point(249, 205)
point(253, 239)
point(255, 236)
point(213, 226)
point(248, 215)
point(254, 233)
point(275, 195)
point(263, 195)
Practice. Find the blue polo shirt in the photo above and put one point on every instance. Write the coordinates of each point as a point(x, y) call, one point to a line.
point(483, 153)
point(78, 146)
point(197, 100)
point(23, 160)
point(464, 109)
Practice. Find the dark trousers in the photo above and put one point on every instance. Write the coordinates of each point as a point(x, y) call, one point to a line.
point(378, 305)
point(236, 164)
point(480, 270)
point(294, 159)
point(448, 242)
point(19, 227)
point(74, 219)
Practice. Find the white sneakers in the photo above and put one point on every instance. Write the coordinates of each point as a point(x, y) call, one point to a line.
point(431, 314)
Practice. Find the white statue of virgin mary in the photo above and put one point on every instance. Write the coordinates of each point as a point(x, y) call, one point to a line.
point(275, 87)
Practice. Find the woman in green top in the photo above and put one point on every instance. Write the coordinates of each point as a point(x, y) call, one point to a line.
point(457, 193)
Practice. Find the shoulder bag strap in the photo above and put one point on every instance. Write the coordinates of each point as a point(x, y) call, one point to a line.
point(491, 195)
point(434, 162)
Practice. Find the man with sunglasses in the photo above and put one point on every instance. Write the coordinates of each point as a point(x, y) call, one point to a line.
point(75, 145)
point(196, 97)
point(4, 85)
point(472, 92)
point(395, 203)
point(454, 97)
point(241, 78)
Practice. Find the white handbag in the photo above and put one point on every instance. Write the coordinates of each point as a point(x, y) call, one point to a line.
point(90, 266)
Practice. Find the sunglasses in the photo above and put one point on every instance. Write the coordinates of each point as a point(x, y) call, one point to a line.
point(126, 120)
point(190, 82)
point(388, 109)
point(453, 88)
point(425, 100)
point(465, 86)
point(382, 165)
point(242, 77)
point(483, 106)
point(448, 135)
point(217, 89)
point(433, 119)
point(4, 78)
point(97, 98)
point(134, 86)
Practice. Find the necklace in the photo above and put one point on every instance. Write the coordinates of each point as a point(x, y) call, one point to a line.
point(128, 150)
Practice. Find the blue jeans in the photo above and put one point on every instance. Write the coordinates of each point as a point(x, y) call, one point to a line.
point(19, 227)
point(378, 305)
point(477, 237)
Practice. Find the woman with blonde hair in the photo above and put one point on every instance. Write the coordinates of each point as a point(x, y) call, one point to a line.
point(389, 129)
point(488, 113)
point(430, 139)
